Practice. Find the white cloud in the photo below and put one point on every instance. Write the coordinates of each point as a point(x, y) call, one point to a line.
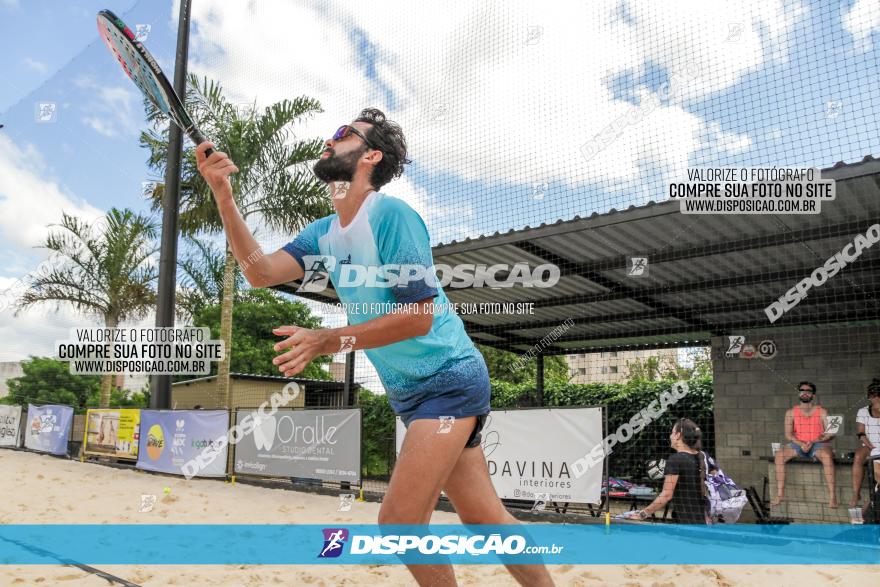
point(100, 126)
point(731, 143)
point(474, 60)
point(863, 20)
point(30, 199)
point(445, 221)
point(112, 112)
point(715, 143)
point(85, 82)
point(117, 97)
point(36, 65)
point(36, 329)
point(775, 134)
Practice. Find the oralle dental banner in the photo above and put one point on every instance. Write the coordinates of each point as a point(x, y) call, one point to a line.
point(171, 438)
point(48, 428)
point(314, 444)
point(10, 425)
point(530, 452)
point(113, 432)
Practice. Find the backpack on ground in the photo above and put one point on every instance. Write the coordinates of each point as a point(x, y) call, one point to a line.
point(726, 500)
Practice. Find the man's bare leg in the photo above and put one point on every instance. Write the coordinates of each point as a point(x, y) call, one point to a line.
point(826, 457)
point(425, 462)
point(469, 488)
point(783, 455)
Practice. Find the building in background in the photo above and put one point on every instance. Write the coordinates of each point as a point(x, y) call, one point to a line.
point(611, 366)
point(250, 391)
point(132, 382)
point(336, 369)
point(9, 370)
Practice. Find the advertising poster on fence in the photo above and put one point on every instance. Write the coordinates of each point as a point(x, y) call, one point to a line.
point(48, 428)
point(530, 452)
point(171, 438)
point(312, 444)
point(113, 432)
point(10, 425)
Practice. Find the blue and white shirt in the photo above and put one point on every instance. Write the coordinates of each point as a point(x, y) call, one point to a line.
point(388, 232)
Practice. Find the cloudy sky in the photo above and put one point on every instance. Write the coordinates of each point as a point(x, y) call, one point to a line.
point(499, 101)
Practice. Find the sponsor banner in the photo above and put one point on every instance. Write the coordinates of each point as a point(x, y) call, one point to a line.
point(10, 425)
point(313, 444)
point(530, 453)
point(113, 432)
point(48, 428)
point(171, 438)
point(553, 544)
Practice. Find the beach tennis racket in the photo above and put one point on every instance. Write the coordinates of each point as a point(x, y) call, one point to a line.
point(146, 74)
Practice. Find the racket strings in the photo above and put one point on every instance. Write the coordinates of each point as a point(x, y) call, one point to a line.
point(136, 67)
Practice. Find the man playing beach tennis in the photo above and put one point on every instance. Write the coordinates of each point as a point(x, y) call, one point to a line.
point(377, 252)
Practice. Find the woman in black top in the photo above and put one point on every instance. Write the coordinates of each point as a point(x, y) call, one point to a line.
point(684, 477)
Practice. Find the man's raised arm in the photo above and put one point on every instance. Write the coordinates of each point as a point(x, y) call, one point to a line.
point(259, 269)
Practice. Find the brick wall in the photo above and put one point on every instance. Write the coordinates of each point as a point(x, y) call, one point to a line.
point(752, 395)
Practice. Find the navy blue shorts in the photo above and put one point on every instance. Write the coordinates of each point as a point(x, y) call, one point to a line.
point(473, 400)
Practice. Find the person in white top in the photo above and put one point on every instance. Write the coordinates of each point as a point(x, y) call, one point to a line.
point(868, 430)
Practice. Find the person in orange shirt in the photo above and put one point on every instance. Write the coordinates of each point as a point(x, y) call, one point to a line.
point(805, 427)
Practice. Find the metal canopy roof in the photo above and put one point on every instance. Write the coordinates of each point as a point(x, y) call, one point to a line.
point(322, 384)
point(707, 275)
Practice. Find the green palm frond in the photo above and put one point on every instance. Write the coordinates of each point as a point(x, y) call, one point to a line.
point(102, 269)
point(274, 181)
point(202, 279)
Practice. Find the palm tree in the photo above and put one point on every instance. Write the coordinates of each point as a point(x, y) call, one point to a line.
point(104, 269)
point(202, 280)
point(275, 187)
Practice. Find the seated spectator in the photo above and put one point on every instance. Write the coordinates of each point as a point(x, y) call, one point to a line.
point(868, 431)
point(805, 426)
point(684, 481)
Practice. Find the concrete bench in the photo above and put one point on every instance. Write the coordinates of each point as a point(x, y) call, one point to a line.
point(806, 494)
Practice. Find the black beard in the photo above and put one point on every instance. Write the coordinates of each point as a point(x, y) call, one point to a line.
point(337, 167)
point(806, 401)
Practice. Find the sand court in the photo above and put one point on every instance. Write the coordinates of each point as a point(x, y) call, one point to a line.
point(43, 489)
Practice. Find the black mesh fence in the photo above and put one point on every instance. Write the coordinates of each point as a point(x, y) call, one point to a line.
point(669, 211)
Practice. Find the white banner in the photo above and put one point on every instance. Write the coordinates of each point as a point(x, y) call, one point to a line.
point(311, 444)
point(530, 453)
point(10, 425)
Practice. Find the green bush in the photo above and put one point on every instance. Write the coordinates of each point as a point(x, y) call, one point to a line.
point(622, 401)
point(377, 434)
point(49, 381)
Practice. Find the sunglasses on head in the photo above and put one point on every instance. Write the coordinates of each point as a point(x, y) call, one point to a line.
point(346, 129)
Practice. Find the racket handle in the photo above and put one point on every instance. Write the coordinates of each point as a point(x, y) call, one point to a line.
point(198, 138)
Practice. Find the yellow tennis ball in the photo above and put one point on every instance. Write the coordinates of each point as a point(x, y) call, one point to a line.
point(167, 490)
